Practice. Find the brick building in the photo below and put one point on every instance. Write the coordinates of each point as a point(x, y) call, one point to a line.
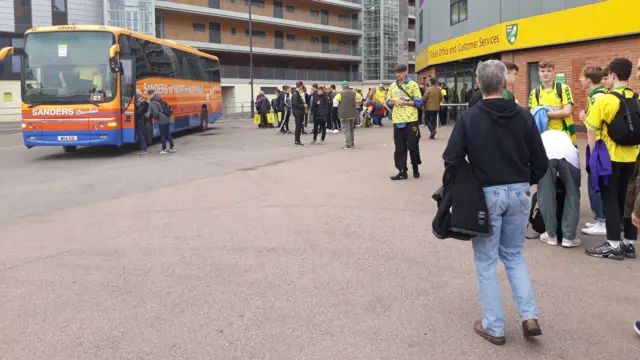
point(521, 33)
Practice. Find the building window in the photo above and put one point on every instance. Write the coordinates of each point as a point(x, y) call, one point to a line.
point(22, 15)
point(198, 27)
point(233, 31)
point(290, 9)
point(256, 3)
point(533, 76)
point(291, 37)
point(315, 40)
point(342, 43)
point(420, 22)
point(458, 11)
point(342, 18)
point(268, 90)
point(256, 33)
point(59, 12)
point(315, 13)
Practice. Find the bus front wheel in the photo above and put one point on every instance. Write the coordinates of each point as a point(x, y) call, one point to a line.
point(204, 120)
point(69, 149)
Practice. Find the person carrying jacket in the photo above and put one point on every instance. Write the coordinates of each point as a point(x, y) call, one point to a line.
point(321, 110)
point(506, 154)
point(164, 121)
point(142, 121)
point(299, 108)
point(431, 100)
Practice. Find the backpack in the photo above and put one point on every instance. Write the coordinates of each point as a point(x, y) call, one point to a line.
point(166, 108)
point(558, 92)
point(624, 129)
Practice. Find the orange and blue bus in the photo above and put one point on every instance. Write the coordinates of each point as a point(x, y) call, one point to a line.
point(79, 83)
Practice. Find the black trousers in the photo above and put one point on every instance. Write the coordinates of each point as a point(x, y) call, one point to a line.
point(406, 139)
point(319, 126)
point(420, 116)
point(263, 120)
point(298, 131)
point(431, 120)
point(613, 197)
point(335, 118)
point(285, 121)
point(444, 112)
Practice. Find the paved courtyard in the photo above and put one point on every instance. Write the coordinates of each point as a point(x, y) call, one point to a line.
point(241, 246)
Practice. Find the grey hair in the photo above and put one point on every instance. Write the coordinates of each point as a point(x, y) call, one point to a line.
point(261, 93)
point(491, 75)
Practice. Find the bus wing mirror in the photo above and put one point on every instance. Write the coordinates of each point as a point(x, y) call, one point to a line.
point(8, 51)
point(114, 64)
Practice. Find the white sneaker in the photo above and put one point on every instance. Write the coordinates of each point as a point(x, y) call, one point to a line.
point(336, 131)
point(172, 150)
point(597, 229)
point(571, 243)
point(548, 239)
point(590, 224)
point(163, 152)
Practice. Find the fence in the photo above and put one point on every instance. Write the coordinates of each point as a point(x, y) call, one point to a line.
point(271, 73)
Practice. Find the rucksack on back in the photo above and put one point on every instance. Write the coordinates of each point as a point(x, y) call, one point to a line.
point(558, 92)
point(166, 108)
point(624, 129)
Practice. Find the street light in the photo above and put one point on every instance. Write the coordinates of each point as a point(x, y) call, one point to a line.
point(251, 60)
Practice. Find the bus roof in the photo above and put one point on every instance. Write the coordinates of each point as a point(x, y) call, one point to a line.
point(117, 31)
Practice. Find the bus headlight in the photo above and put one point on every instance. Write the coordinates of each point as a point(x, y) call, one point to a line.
point(24, 126)
point(112, 124)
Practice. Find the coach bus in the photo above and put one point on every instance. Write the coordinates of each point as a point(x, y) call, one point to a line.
point(79, 82)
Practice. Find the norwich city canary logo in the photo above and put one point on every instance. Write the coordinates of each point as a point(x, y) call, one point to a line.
point(512, 33)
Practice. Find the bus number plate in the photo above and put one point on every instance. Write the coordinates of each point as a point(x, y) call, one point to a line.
point(67, 138)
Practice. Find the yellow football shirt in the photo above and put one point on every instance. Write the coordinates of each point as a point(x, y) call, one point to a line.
point(601, 112)
point(550, 100)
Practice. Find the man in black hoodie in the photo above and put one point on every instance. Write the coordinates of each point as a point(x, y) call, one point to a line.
point(299, 108)
point(505, 150)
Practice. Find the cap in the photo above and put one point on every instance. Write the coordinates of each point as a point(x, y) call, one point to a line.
point(401, 68)
point(345, 83)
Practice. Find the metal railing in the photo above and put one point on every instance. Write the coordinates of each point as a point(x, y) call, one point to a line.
point(412, 10)
point(273, 73)
point(412, 56)
point(260, 40)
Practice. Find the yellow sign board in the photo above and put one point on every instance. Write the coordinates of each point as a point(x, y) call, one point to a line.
point(605, 19)
point(8, 96)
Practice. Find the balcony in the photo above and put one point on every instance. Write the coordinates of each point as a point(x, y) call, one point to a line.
point(265, 44)
point(412, 12)
point(350, 27)
point(271, 73)
point(412, 57)
point(352, 4)
point(412, 35)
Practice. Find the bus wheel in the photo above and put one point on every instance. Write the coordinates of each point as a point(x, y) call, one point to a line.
point(204, 120)
point(148, 134)
point(69, 149)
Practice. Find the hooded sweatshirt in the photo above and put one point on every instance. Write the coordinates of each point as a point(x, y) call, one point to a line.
point(502, 143)
point(155, 110)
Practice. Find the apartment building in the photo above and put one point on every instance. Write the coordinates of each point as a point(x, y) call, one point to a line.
point(18, 16)
point(454, 35)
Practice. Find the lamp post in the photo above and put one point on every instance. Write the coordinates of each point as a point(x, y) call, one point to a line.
point(251, 60)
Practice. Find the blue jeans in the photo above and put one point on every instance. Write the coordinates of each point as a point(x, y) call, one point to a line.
point(165, 134)
point(596, 202)
point(509, 207)
point(377, 119)
point(141, 137)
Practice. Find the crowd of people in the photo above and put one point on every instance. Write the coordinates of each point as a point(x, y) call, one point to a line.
point(512, 148)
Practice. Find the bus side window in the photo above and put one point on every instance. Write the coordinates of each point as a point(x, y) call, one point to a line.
point(143, 66)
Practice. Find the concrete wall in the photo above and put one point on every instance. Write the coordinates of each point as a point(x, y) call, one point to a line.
point(7, 21)
point(10, 110)
point(436, 16)
point(41, 13)
point(85, 12)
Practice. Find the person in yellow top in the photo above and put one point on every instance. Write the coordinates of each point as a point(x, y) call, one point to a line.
point(379, 97)
point(556, 97)
point(404, 98)
point(623, 157)
point(348, 102)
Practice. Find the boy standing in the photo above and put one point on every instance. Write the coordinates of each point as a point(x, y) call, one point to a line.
point(321, 110)
point(591, 81)
point(623, 157)
point(556, 97)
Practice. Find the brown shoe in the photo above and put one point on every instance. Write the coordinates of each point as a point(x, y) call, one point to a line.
point(495, 340)
point(531, 328)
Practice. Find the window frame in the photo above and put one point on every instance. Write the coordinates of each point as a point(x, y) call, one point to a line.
point(256, 33)
point(315, 40)
point(196, 27)
point(64, 13)
point(342, 18)
point(455, 7)
point(315, 13)
point(291, 37)
point(290, 9)
point(256, 3)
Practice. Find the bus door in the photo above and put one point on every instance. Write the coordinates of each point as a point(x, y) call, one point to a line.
point(127, 98)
